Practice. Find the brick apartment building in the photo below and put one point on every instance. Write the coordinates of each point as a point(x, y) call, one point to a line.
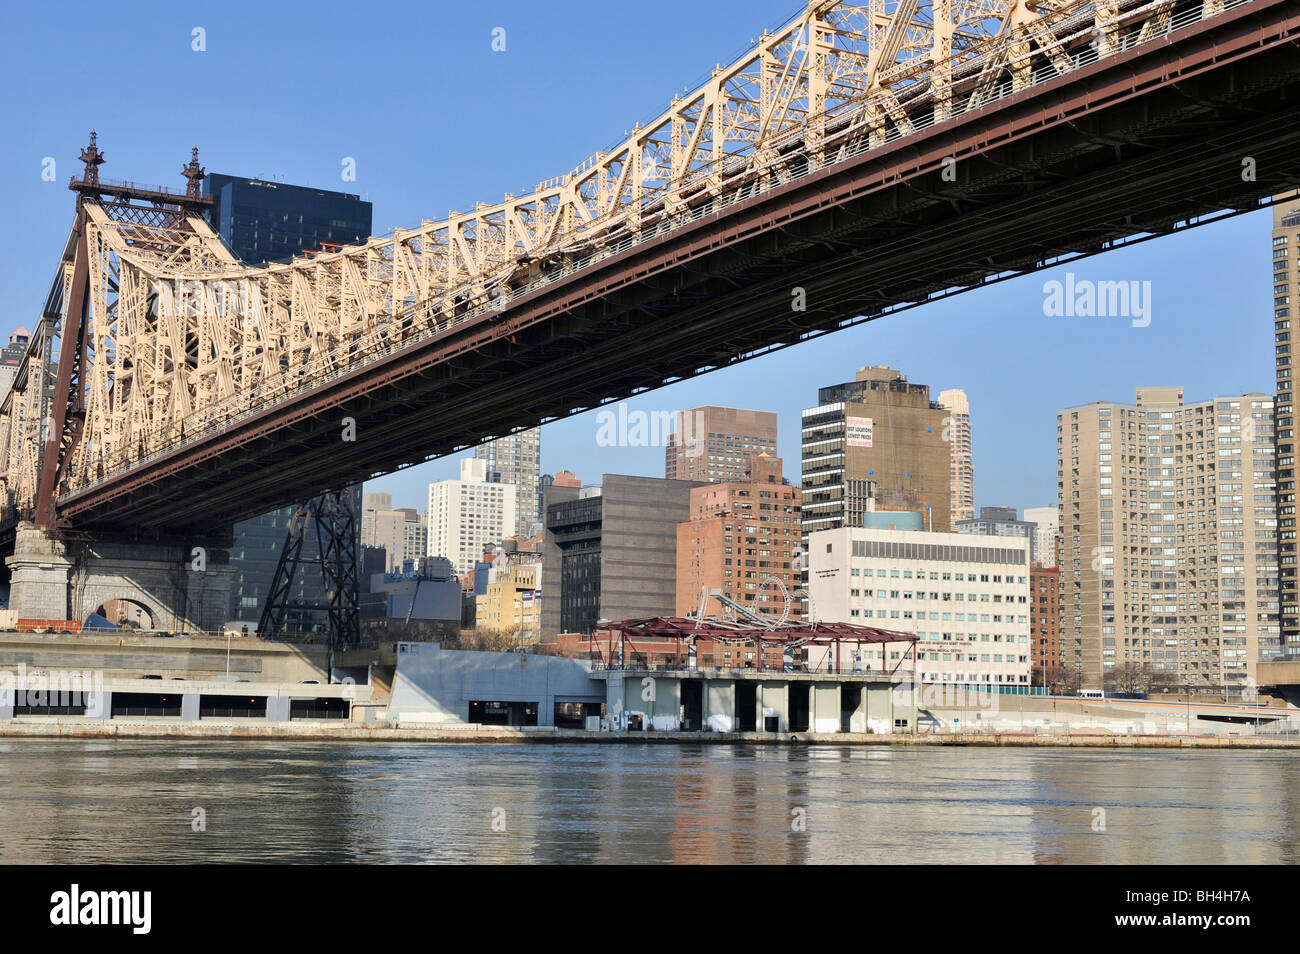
point(1045, 625)
point(740, 536)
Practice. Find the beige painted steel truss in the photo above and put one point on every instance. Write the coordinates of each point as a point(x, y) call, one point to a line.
point(179, 337)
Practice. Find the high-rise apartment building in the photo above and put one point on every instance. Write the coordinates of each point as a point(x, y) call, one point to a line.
point(966, 597)
point(1048, 523)
point(263, 222)
point(390, 533)
point(12, 356)
point(1286, 272)
point(742, 539)
point(469, 515)
point(415, 541)
point(958, 431)
point(403, 533)
point(1045, 627)
point(1002, 522)
point(516, 459)
point(371, 504)
point(714, 444)
point(878, 438)
point(1169, 538)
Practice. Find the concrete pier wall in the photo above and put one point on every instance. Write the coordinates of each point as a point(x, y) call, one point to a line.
point(436, 686)
point(194, 658)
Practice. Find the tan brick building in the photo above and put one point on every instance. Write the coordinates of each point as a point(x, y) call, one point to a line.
point(1286, 273)
point(958, 431)
point(876, 437)
point(741, 535)
point(512, 603)
point(715, 444)
point(1169, 555)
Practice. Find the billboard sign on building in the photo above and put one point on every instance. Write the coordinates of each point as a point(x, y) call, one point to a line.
point(857, 431)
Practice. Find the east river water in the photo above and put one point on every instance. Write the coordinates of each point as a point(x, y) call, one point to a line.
point(72, 801)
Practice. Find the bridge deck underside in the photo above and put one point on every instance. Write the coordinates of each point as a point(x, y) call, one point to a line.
point(1138, 143)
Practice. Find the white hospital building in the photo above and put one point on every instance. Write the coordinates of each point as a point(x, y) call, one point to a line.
point(965, 595)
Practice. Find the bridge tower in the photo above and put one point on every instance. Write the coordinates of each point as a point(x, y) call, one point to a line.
point(181, 581)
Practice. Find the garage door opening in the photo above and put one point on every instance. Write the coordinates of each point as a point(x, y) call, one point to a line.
point(798, 707)
point(746, 706)
point(318, 708)
point(503, 713)
point(146, 704)
point(850, 699)
point(232, 707)
point(692, 705)
point(574, 715)
point(47, 704)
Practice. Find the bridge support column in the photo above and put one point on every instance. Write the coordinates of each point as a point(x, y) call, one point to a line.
point(277, 708)
point(39, 573)
point(614, 699)
point(167, 587)
point(101, 707)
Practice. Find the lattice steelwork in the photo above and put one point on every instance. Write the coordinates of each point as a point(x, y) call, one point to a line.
point(166, 336)
point(336, 536)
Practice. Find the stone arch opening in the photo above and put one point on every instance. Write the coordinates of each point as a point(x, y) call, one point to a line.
point(127, 613)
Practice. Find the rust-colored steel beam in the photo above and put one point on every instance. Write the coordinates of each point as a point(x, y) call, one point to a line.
point(67, 411)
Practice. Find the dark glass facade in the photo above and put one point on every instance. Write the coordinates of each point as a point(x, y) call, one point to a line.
point(264, 222)
point(576, 528)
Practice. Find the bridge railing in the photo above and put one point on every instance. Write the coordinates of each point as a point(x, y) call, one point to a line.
point(346, 359)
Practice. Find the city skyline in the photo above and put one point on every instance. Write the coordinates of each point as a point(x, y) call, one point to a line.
point(837, 433)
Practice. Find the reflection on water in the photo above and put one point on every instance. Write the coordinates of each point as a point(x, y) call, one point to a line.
point(133, 801)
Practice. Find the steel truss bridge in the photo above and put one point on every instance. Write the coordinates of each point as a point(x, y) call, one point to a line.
point(866, 157)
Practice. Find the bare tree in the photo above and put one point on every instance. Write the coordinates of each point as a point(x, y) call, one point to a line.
point(1062, 680)
point(1131, 677)
point(488, 639)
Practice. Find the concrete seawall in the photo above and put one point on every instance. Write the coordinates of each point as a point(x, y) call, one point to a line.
point(353, 732)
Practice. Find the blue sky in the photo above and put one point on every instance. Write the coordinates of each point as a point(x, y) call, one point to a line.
point(436, 121)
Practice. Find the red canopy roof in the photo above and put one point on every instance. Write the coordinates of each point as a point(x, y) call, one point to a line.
point(677, 627)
